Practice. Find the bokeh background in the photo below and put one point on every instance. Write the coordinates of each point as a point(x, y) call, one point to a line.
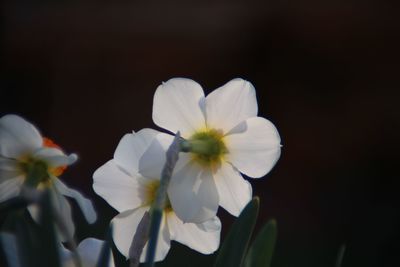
point(326, 74)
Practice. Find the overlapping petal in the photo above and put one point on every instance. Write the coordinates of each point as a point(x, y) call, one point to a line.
point(231, 104)
point(63, 209)
point(179, 106)
point(17, 137)
point(84, 204)
point(8, 169)
point(121, 190)
point(124, 227)
point(193, 194)
point(131, 148)
point(201, 237)
point(89, 250)
point(54, 157)
point(256, 150)
point(10, 188)
point(234, 191)
point(153, 160)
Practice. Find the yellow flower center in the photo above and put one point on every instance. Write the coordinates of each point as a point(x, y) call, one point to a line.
point(151, 192)
point(208, 148)
point(36, 171)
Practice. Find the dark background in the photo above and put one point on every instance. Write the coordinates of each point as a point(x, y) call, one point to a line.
point(326, 74)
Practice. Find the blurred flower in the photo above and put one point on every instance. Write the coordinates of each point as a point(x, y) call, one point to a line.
point(225, 138)
point(28, 159)
point(131, 190)
point(89, 251)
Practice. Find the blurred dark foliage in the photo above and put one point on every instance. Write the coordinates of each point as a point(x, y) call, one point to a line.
point(326, 74)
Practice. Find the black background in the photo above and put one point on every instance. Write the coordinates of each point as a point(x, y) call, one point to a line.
point(326, 74)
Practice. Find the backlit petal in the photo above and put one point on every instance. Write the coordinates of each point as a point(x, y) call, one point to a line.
point(203, 238)
point(231, 104)
point(153, 160)
point(178, 106)
point(124, 228)
point(121, 190)
point(256, 150)
point(234, 191)
point(163, 243)
point(193, 193)
point(131, 148)
point(18, 137)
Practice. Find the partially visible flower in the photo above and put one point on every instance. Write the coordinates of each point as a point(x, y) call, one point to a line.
point(226, 138)
point(89, 251)
point(131, 191)
point(28, 159)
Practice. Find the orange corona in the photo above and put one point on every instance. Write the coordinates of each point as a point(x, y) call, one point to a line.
point(47, 142)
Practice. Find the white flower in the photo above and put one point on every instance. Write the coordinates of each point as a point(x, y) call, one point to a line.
point(227, 139)
point(131, 190)
point(27, 158)
point(89, 251)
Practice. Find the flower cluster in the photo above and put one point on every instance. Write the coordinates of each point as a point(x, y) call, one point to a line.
point(222, 138)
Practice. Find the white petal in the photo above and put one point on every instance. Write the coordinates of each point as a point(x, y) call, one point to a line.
point(66, 257)
point(255, 151)
point(10, 188)
point(163, 243)
point(90, 251)
point(8, 169)
point(193, 193)
point(9, 244)
point(124, 228)
point(18, 137)
point(55, 157)
point(119, 189)
point(131, 148)
point(231, 104)
point(234, 191)
point(63, 209)
point(194, 235)
point(84, 204)
point(179, 106)
point(153, 160)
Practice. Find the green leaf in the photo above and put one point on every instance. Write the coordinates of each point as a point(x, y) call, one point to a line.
point(340, 255)
point(234, 247)
point(262, 249)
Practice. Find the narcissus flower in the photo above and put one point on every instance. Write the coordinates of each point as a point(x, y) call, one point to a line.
point(225, 137)
point(131, 189)
point(89, 251)
point(28, 159)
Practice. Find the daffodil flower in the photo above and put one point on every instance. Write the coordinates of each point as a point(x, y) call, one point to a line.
point(89, 251)
point(225, 138)
point(28, 159)
point(131, 190)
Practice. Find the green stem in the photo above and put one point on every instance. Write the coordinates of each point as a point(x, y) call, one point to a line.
point(157, 208)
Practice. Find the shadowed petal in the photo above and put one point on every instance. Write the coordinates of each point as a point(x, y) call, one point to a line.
point(18, 137)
